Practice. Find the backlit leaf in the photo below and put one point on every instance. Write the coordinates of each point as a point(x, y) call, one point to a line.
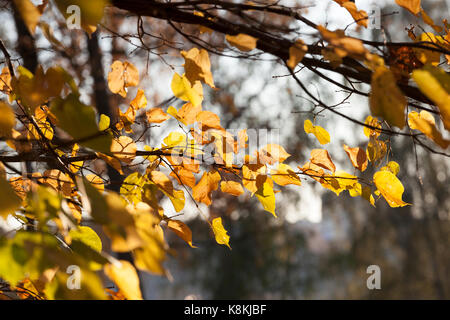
point(435, 84)
point(321, 134)
point(181, 230)
point(357, 156)
point(322, 158)
point(390, 106)
point(242, 41)
point(126, 278)
point(425, 123)
point(220, 233)
point(390, 188)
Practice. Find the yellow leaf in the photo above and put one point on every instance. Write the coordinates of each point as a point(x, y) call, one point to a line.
point(220, 233)
point(341, 181)
point(373, 122)
point(253, 175)
point(7, 120)
point(428, 56)
point(242, 41)
point(389, 106)
point(266, 196)
point(122, 76)
point(156, 115)
point(424, 122)
point(181, 230)
point(392, 166)
point(87, 236)
point(232, 187)
point(321, 158)
point(198, 66)
point(140, 101)
point(390, 188)
point(121, 229)
point(342, 45)
point(357, 156)
point(435, 84)
point(184, 90)
point(126, 278)
point(113, 162)
point(359, 16)
point(5, 80)
point(207, 184)
point(8, 199)
point(296, 53)
point(96, 181)
point(412, 6)
point(151, 255)
point(285, 175)
point(124, 149)
point(29, 12)
point(376, 149)
point(321, 134)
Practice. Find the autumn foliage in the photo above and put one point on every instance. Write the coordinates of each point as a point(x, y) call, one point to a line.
point(65, 206)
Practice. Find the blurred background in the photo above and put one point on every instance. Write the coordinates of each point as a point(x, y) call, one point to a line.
point(321, 244)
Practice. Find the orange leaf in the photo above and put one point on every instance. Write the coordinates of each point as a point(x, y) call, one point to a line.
point(181, 230)
point(156, 115)
point(124, 149)
point(207, 184)
point(322, 158)
point(357, 156)
point(412, 6)
point(232, 187)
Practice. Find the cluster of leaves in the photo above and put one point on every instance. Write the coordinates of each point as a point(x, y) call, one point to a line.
point(45, 121)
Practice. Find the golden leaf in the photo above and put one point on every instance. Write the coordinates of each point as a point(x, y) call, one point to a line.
point(296, 53)
point(321, 134)
point(181, 230)
point(156, 115)
point(220, 233)
point(321, 158)
point(232, 187)
point(242, 41)
point(198, 66)
point(121, 76)
point(386, 99)
point(412, 6)
point(124, 149)
point(424, 122)
point(207, 184)
point(284, 175)
point(390, 188)
point(126, 278)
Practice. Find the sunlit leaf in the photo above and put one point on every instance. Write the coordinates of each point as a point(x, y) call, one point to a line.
point(220, 233)
point(357, 156)
point(181, 230)
point(242, 41)
point(198, 66)
point(435, 84)
point(126, 278)
point(390, 106)
point(321, 134)
point(390, 188)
